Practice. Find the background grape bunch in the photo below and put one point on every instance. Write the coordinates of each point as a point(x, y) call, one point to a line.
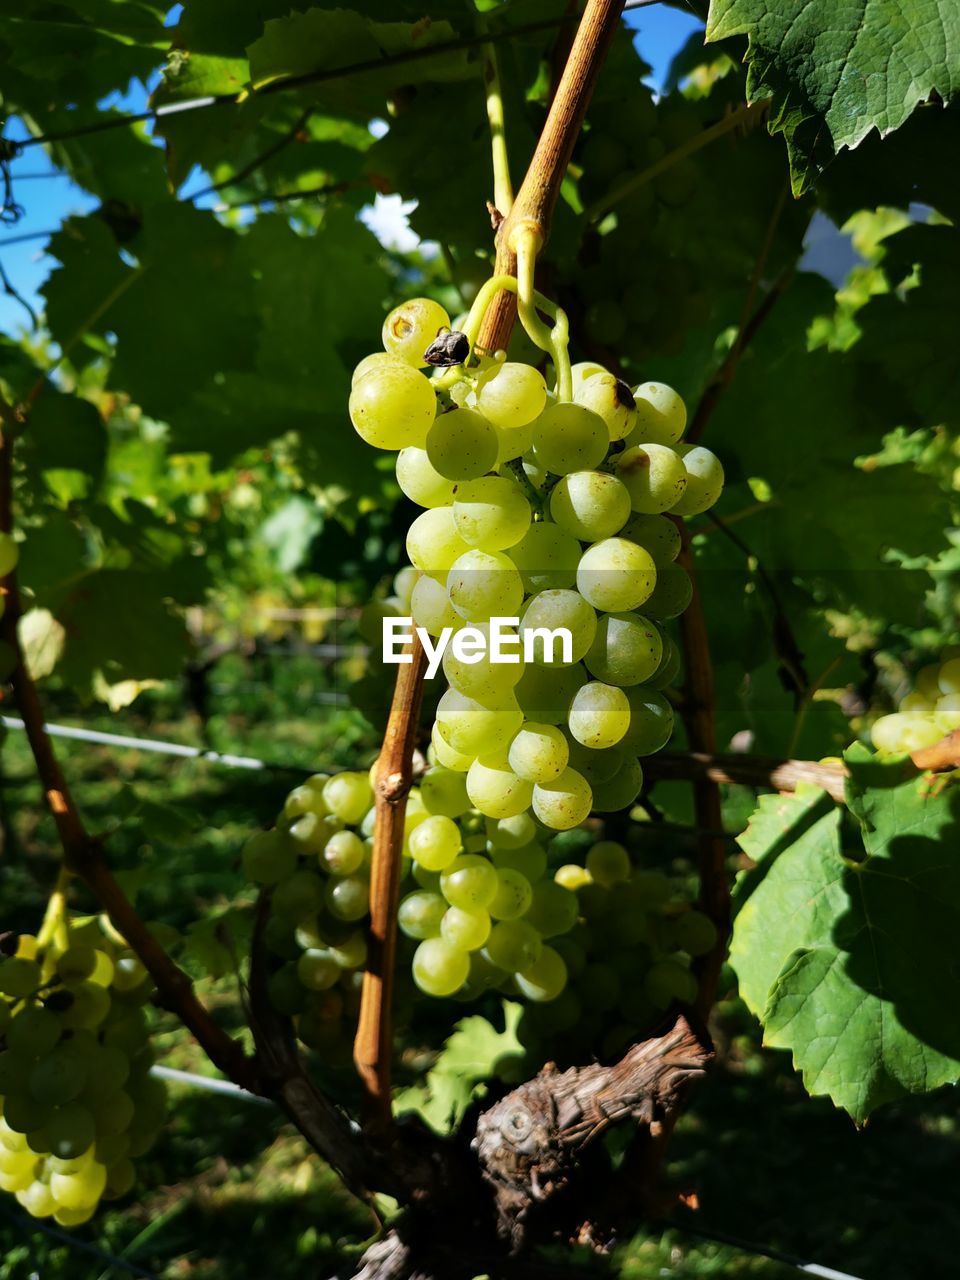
point(78, 1101)
point(595, 946)
point(924, 715)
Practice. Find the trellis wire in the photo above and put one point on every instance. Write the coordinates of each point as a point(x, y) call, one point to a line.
point(765, 1251)
point(209, 1084)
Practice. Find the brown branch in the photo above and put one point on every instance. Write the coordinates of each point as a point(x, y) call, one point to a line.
point(749, 771)
point(373, 1044)
point(537, 197)
point(698, 717)
point(83, 853)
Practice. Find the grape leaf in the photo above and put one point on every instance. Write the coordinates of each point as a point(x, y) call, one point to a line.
point(476, 1051)
point(834, 73)
point(843, 943)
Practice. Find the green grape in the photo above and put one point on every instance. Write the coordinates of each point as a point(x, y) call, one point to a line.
point(538, 752)
point(513, 945)
point(307, 835)
point(410, 329)
point(495, 790)
point(695, 933)
point(343, 853)
point(669, 668)
point(564, 802)
point(59, 1077)
point(268, 858)
point(435, 842)
point(420, 913)
point(545, 693)
point(612, 400)
point(590, 505)
point(465, 930)
point(420, 480)
point(462, 445)
point(672, 594)
point(514, 894)
point(70, 1131)
point(433, 543)
point(651, 722)
point(431, 609)
point(513, 443)
point(121, 1176)
point(351, 953)
point(473, 729)
point(553, 909)
point(661, 414)
point(24, 1114)
point(443, 754)
point(549, 611)
point(439, 969)
point(568, 437)
point(599, 715)
point(667, 981)
point(33, 1032)
point(444, 792)
point(76, 963)
point(530, 860)
point(317, 970)
point(108, 1074)
point(484, 585)
point(393, 406)
point(627, 649)
point(403, 584)
point(114, 1115)
point(513, 396)
point(511, 833)
point(620, 791)
point(547, 558)
point(286, 991)
point(483, 976)
point(348, 897)
point(608, 862)
point(654, 476)
point(545, 978)
point(947, 713)
point(80, 1190)
point(657, 534)
point(615, 575)
point(19, 977)
point(491, 513)
point(348, 796)
point(579, 373)
point(469, 882)
point(704, 482)
point(37, 1199)
point(948, 677)
point(487, 680)
point(299, 896)
point(16, 1180)
point(370, 626)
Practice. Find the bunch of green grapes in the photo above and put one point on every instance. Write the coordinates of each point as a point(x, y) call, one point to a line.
point(78, 1101)
point(926, 714)
point(316, 862)
point(557, 513)
point(487, 905)
point(494, 908)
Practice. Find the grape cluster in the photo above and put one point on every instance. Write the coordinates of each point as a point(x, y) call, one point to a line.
point(78, 1100)
point(486, 905)
point(555, 512)
point(926, 714)
point(316, 861)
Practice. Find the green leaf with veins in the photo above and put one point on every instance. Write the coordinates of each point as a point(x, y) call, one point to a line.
point(844, 944)
point(836, 72)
